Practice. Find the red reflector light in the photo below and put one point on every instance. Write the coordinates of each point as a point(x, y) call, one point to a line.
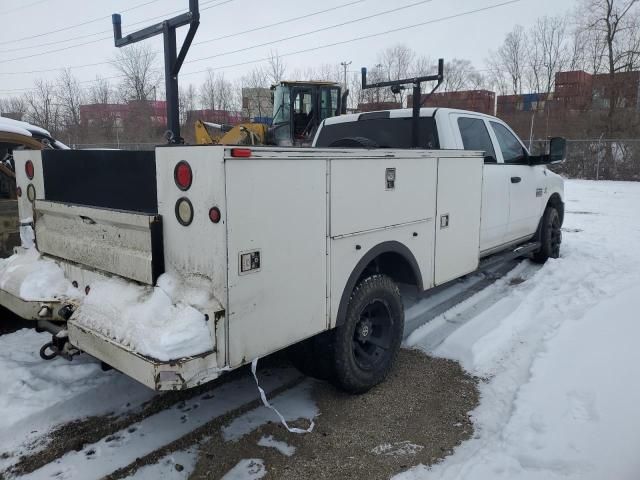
point(28, 169)
point(214, 215)
point(19, 192)
point(241, 152)
point(182, 175)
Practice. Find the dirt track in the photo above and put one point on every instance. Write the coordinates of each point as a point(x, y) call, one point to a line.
point(420, 411)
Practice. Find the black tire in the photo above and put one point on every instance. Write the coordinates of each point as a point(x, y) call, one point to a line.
point(354, 142)
point(550, 236)
point(366, 345)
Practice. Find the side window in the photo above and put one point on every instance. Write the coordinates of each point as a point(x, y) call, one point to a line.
point(512, 150)
point(475, 136)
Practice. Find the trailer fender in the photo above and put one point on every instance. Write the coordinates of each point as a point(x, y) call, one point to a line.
point(391, 258)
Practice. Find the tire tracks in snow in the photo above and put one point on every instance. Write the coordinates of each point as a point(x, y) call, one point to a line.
point(98, 447)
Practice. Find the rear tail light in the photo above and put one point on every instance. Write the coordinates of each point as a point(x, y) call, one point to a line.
point(29, 170)
point(241, 152)
point(214, 215)
point(183, 176)
point(31, 192)
point(184, 211)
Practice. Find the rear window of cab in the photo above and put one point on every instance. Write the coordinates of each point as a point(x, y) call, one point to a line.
point(383, 132)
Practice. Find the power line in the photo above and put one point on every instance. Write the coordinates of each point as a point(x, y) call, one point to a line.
point(348, 22)
point(69, 47)
point(363, 37)
point(102, 32)
point(282, 22)
point(333, 44)
point(196, 43)
point(22, 7)
point(77, 24)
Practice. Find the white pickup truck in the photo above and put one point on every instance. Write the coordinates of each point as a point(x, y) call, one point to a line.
point(177, 265)
point(516, 191)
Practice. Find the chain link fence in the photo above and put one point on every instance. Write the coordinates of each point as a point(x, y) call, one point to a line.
point(594, 159)
point(598, 159)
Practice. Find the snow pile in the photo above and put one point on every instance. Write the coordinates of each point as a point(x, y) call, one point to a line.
point(32, 277)
point(559, 352)
point(159, 322)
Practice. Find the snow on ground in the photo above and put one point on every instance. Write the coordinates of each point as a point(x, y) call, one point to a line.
point(558, 352)
point(139, 439)
point(283, 447)
point(293, 404)
point(36, 395)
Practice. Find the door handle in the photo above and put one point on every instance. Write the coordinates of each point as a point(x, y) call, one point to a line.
point(515, 179)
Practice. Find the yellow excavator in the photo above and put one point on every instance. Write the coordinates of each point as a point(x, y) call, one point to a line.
point(298, 109)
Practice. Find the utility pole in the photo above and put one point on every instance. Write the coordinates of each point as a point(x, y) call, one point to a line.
point(345, 65)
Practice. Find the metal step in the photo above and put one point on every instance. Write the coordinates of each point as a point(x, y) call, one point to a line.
point(498, 258)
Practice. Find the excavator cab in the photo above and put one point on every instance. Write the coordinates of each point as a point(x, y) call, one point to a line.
point(298, 109)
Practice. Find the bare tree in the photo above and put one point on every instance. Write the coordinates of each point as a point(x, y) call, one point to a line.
point(13, 107)
point(208, 95)
point(188, 98)
point(217, 93)
point(396, 63)
point(256, 96)
point(511, 59)
point(100, 92)
point(276, 68)
point(610, 21)
point(137, 64)
point(461, 75)
point(70, 96)
point(226, 97)
point(548, 52)
point(43, 110)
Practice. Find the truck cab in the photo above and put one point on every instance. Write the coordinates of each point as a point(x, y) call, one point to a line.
point(516, 187)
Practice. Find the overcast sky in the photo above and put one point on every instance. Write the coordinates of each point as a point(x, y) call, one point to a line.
point(56, 23)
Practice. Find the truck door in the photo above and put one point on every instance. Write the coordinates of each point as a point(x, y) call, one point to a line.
point(524, 196)
point(474, 135)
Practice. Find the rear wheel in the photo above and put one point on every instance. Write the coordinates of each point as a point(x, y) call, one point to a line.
point(550, 236)
point(366, 345)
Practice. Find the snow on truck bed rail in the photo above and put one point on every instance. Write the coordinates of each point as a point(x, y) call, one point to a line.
point(31, 277)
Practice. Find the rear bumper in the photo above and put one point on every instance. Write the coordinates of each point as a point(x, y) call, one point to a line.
point(30, 310)
point(173, 375)
point(181, 373)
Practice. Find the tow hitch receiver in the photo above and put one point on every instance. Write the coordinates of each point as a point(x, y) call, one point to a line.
point(59, 346)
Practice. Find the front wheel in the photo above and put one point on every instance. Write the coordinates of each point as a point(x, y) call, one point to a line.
point(366, 345)
point(550, 236)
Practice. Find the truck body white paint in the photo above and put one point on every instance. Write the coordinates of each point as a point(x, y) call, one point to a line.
point(295, 224)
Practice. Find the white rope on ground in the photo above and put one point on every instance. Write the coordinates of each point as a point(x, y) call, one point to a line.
point(263, 395)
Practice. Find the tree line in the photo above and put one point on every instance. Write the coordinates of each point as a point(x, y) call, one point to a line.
point(599, 37)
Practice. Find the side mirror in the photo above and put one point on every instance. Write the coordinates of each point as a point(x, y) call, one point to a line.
point(557, 150)
point(557, 153)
